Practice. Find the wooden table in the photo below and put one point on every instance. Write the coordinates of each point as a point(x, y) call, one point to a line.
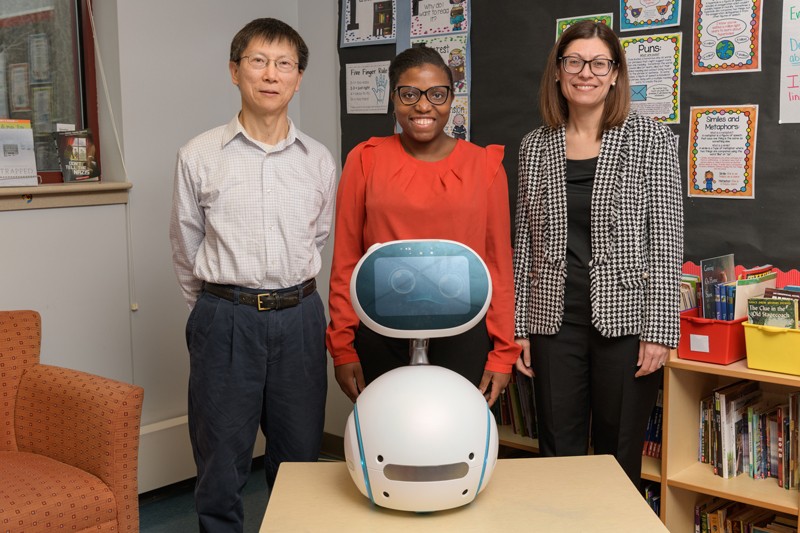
point(569, 494)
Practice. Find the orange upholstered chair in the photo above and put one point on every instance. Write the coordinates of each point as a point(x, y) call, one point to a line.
point(69, 441)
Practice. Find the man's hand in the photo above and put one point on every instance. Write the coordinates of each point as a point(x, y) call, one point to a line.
point(351, 379)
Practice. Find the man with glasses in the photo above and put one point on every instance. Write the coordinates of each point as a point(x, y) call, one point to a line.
point(252, 209)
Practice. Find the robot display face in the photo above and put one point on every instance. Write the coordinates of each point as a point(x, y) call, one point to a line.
point(420, 289)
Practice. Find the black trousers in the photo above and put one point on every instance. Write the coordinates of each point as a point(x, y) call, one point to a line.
point(464, 354)
point(251, 369)
point(586, 380)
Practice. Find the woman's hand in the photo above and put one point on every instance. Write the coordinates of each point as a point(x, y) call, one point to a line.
point(494, 383)
point(523, 363)
point(652, 357)
point(351, 379)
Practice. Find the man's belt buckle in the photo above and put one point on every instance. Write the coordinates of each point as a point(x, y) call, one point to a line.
point(269, 305)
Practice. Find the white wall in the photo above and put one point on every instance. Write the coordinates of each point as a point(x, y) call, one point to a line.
point(166, 72)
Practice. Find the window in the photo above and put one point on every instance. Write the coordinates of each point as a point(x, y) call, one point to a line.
point(47, 72)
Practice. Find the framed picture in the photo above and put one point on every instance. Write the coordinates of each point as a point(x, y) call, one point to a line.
point(18, 76)
point(39, 57)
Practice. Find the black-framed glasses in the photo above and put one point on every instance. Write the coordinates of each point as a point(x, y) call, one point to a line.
point(410, 95)
point(283, 64)
point(598, 66)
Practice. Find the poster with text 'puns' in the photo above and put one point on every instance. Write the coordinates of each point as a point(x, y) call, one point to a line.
point(654, 65)
point(434, 17)
point(726, 36)
point(368, 22)
point(722, 151)
point(790, 63)
point(453, 49)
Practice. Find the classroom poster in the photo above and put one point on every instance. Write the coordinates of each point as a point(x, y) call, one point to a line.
point(458, 123)
point(790, 63)
point(648, 14)
point(453, 49)
point(367, 87)
point(368, 22)
point(434, 17)
point(726, 36)
point(722, 151)
point(654, 64)
point(563, 24)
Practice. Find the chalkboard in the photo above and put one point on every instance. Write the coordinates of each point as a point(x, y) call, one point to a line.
point(509, 45)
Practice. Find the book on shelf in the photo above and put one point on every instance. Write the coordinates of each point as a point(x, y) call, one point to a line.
point(76, 156)
point(652, 441)
point(714, 271)
point(732, 398)
point(756, 272)
point(771, 292)
point(754, 287)
point(688, 298)
point(17, 154)
point(776, 312)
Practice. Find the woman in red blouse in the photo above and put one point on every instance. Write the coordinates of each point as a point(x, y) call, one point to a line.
point(423, 184)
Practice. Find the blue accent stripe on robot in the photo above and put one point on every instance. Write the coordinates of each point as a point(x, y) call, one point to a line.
point(486, 449)
point(361, 454)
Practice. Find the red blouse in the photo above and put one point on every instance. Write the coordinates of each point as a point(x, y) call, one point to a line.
point(385, 194)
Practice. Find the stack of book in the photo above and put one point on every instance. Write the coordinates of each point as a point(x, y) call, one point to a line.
point(744, 430)
point(725, 296)
point(516, 407)
point(717, 514)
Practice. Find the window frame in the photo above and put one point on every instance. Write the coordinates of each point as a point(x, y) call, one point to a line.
point(84, 66)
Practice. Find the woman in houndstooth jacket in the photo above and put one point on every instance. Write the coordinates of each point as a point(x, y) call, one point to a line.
point(597, 257)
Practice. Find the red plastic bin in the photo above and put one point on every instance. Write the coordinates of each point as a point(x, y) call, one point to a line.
point(710, 340)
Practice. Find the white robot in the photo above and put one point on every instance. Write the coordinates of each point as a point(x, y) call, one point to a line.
point(421, 438)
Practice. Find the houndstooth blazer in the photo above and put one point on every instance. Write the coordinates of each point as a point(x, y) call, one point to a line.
point(636, 233)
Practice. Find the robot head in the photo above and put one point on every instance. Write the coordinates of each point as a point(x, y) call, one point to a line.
point(419, 289)
point(421, 438)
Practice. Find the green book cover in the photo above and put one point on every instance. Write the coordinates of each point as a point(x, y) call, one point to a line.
point(777, 312)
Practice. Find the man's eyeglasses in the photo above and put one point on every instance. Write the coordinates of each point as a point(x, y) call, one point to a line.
point(410, 95)
point(283, 64)
point(574, 65)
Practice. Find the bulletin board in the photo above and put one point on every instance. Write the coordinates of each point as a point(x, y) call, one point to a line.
point(510, 42)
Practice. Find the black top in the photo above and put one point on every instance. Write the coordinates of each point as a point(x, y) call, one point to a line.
point(580, 179)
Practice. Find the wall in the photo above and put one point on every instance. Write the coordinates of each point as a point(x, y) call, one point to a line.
point(165, 66)
point(509, 43)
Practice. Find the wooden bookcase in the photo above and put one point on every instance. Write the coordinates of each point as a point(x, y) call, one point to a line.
point(686, 480)
point(651, 467)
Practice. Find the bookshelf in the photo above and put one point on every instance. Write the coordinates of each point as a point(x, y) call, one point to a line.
point(508, 438)
point(686, 480)
point(651, 467)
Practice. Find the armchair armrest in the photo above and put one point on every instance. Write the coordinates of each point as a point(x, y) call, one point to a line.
point(87, 421)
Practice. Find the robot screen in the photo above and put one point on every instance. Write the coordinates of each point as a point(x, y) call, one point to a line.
point(432, 286)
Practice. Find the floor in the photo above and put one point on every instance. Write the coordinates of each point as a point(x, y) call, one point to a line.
point(171, 509)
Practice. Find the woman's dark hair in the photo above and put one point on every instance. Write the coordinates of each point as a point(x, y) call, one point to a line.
point(416, 56)
point(553, 105)
point(269, 30)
